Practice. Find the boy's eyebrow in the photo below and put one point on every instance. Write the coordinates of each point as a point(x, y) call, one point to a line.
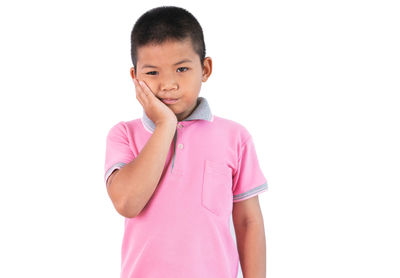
point(178, 63)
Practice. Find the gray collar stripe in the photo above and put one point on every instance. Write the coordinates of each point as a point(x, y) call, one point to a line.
point(201, 112)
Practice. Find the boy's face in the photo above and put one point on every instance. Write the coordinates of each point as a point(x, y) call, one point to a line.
point(172, 70)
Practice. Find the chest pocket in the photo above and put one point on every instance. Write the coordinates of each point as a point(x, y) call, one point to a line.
point(217, 188)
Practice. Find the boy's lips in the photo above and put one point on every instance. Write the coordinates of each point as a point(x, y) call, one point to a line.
point(169, 100)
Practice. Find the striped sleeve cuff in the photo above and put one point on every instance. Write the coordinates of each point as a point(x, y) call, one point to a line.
point(251, 193)
point(111, 169)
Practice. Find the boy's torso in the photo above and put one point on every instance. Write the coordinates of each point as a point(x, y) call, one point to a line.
point(185, 224)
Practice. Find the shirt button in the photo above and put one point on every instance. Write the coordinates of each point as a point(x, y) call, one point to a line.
point(180, 125)
point(180, 146)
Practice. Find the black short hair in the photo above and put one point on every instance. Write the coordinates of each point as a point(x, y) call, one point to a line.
point(167, 23)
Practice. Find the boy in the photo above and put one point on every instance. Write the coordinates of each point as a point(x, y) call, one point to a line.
point(179, 173)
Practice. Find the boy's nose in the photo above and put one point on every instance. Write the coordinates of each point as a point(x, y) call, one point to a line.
point(168, 81)
point(167, 86)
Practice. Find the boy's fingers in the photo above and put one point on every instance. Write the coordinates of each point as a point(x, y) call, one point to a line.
point(140, 95)
point(146, 89)
point(139, 98)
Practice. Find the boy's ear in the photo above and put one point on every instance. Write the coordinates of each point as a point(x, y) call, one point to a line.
point(207, 69)
point(133, 74)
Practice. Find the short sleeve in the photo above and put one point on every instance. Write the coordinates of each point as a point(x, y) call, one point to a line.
point(248, 179)
point(118, 151)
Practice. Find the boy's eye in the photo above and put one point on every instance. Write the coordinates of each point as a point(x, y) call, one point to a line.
point(150, 72)
point(183, 68)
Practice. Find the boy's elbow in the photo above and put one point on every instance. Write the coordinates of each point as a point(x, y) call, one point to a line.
point(120, 203)
point(126, 211)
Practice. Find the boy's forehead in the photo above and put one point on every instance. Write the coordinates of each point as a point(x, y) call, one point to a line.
point(166, 52)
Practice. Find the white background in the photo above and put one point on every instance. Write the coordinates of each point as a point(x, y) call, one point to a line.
point(316, 83)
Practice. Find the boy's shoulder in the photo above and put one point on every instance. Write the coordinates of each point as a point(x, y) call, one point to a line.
point(232, 127)
point(124, 128)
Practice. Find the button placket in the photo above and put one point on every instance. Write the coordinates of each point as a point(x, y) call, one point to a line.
point(180, 145)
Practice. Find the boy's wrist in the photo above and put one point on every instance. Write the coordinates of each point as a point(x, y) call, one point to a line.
point(167, 124)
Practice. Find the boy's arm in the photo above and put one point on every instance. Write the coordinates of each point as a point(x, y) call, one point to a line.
point(131, 187)
point(250, 237)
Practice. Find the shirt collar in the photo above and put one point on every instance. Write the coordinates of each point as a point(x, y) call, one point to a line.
point(201, 112)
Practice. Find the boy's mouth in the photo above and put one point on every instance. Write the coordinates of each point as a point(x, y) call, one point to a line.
point(169, 100)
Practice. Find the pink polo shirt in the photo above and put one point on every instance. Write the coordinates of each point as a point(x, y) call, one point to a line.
point(185, 230)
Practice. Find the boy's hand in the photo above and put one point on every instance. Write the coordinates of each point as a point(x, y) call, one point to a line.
point(154, 108)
